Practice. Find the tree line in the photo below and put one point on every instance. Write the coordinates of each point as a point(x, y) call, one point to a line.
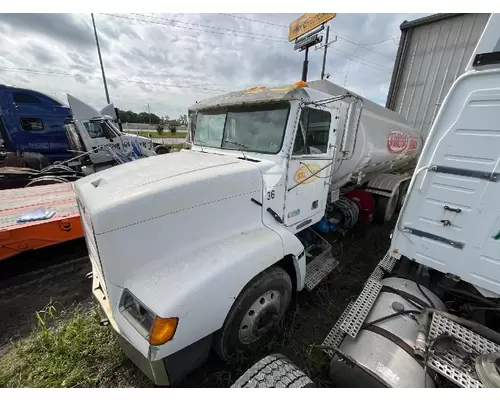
point(151, 118)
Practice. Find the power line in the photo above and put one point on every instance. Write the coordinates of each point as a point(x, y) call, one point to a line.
point(382, 41)
point(193, 29)
point(364, 59)
point(64, 74)
point(245, 33)
point(277, 16)
point(177, 21)
point(254, 20)
point(364, 47)
point(361, 60)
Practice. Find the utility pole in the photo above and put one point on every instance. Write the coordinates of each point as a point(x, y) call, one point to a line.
point(324, 53)
point(305, 65)
point(100, 60)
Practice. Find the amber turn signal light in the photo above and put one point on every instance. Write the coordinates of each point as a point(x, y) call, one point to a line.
point(163, 330)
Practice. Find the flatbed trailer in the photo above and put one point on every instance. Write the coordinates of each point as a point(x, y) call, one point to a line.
point(17, 237)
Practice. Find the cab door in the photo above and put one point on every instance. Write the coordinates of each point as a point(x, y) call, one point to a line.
point(101, 137)
point(310, 166)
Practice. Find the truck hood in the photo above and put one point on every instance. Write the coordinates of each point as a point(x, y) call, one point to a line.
point(147, 214)
point(147, 188)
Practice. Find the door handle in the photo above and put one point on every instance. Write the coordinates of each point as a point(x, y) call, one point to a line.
point(457, 210)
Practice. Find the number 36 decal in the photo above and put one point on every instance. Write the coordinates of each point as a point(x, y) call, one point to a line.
point(270, 195)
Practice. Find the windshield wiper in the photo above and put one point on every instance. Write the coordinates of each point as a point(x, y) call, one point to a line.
point(238, 144)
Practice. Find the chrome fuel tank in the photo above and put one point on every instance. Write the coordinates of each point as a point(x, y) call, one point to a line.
point(381, 355)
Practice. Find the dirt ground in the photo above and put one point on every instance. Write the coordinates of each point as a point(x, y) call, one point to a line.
point(307, 323)
point(29, 282)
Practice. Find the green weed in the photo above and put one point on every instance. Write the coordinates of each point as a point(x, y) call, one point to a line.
point(68, 350)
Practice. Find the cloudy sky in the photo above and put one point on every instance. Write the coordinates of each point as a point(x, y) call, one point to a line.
point(169, 61)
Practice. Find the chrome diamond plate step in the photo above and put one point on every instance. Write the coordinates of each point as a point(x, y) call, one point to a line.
point(387, 263)
point(377, 275)
point(361, 307)
point(319, 268)
point(336, 335)
point(451, 364)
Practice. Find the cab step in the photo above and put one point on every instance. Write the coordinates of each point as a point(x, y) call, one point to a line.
point(320, 266)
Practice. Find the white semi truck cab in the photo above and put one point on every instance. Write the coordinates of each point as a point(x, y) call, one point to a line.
point(429, 315)
point(203, 249)
point(93, 132)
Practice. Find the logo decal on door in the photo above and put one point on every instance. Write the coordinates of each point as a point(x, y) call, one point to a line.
point(306, 171)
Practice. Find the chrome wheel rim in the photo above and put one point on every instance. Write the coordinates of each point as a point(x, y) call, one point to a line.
point(260, 316)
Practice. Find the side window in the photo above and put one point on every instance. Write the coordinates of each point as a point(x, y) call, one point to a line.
point(32, 124)
point(107, 131)
point(25, 98)
point(94, 129)
point(313, 132)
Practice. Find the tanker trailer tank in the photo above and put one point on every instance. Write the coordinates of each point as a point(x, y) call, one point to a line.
point(374, 144)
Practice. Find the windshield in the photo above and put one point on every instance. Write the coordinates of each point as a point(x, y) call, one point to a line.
point(101, 128)
point(255, 128)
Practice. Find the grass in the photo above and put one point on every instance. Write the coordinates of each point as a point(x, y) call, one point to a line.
point(177, 146)
point(68, 350)
point(157, 135)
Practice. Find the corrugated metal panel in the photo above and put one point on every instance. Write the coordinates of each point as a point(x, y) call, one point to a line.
point(432, 56)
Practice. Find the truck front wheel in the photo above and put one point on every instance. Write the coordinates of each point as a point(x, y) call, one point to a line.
point(260, 306)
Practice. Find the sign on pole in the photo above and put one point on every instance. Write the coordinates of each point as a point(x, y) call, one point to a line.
point(307, 23)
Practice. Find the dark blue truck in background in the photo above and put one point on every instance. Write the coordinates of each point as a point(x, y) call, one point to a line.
point(33, 122)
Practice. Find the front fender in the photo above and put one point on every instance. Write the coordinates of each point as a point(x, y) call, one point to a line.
point(202, 287)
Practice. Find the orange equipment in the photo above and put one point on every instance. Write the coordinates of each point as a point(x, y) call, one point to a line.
point(63, 226)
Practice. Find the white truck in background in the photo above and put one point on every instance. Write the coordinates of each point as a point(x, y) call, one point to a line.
point(93, 139)
point(203, 249)
point(429, 315)
point(93, 132)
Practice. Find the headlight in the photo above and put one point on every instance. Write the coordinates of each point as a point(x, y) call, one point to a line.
point(155, 329)
point(136, 313)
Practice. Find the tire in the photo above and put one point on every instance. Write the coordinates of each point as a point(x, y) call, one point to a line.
point(162, 150)
point(57, 169)
point(46, 180)
point(274, 371)
point(35, 161)
point(386, 207)
point(260, 306)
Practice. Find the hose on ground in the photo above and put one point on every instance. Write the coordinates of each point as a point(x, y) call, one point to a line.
point(349, 210)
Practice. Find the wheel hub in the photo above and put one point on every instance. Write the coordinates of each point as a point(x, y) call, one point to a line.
point(260, 317)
